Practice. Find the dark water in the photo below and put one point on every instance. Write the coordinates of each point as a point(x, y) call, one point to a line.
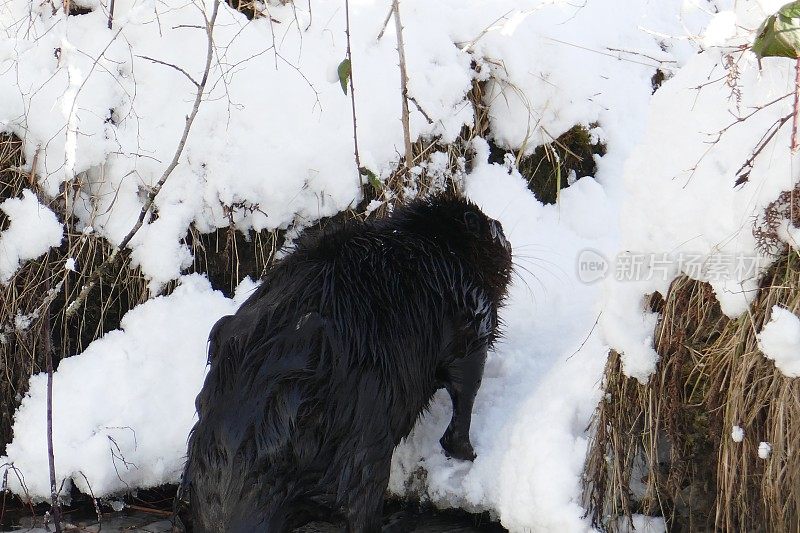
point(414, 520)
point(144, 523)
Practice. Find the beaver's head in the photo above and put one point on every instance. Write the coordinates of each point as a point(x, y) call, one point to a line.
point(463, 228)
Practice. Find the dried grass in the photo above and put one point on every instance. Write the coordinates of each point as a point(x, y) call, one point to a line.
point(24, 303)
point(665, 448)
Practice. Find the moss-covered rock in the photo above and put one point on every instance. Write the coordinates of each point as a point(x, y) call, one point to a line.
point(554, 166)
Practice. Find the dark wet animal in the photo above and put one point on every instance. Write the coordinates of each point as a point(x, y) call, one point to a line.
point(330, 362)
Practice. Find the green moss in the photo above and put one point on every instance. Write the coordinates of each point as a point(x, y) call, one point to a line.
point(548, 168)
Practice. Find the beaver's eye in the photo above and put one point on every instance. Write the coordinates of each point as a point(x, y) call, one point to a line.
point(472, 222)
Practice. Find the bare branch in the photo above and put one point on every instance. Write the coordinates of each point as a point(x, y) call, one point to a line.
point(110, 14)
point(94, 500)
point(77, 303)
point(176, 67)
point(743, 174)
point(419, 108)
point(386, 22)
point(796, 109)
point(55, 508)
point(352, 88)
point(403, 83)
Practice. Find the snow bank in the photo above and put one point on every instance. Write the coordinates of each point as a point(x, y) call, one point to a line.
point(33, 230)
point(779, 339)
point(692, 193)
point(122, 410)
point(538, 389)
point(272, 141)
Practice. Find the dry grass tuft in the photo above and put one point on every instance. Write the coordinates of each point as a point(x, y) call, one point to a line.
point(24, 301)
point(666, 449)
point(783, 210)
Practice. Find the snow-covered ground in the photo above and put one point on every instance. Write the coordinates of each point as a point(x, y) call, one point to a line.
point(273, 136)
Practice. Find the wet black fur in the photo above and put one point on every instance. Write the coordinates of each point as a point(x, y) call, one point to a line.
point(327, 366)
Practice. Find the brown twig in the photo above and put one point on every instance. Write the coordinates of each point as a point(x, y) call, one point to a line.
point(176, 67)
point(110, 14)
point(76, 304)
point(796, 109)
point(385, 23)
point(419, 108)
point(55, 509)
point(352, 88)
point(97, 512)
point(743, 174)
point(403, 84)
point(150, 510)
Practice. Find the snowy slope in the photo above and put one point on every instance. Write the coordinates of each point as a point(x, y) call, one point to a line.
point(694, 195)
point(274, 137)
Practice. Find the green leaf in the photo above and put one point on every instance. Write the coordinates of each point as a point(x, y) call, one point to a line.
point(372, 178)
point(344, 74)
point(779, 35)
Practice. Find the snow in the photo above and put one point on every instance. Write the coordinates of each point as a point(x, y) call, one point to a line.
point(737, 434)
point(34, 229)
point(779, 339)
point(537, 392)
point(684, 213)
point(123, 408)
point(272, 145)
point(764, 450)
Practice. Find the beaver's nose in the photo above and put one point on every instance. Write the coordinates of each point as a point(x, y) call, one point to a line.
point(496, 231)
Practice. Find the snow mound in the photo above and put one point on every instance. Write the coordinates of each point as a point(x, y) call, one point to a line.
point(697, 181)
point(764, 450)
point(779, 339)
point(122, 410)
point(737, 434)
point(34, 229)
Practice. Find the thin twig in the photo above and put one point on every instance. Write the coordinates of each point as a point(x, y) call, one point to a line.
point(76, 304)
point(796, 109)
point(403, 83)
point(588, 335)
point(419, 108)
point(150, 510)
point(110, 14)
point(743, 174)
point(352, 88)
point(94, 501)
point(55, 509)
point(742, 118)
point(385, 23)
point(176, 67)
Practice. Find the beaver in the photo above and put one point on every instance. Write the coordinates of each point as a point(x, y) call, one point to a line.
point(329, 363)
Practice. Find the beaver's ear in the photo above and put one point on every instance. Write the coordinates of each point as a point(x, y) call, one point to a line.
point(473, 222)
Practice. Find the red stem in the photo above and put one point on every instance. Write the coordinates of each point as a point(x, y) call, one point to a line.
point(795, 144)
